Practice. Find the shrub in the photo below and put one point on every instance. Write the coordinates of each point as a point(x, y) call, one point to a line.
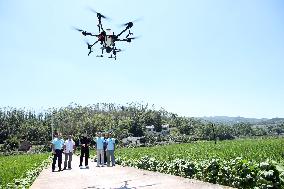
point(10, 144)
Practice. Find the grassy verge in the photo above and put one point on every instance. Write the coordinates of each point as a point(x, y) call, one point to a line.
point(14, 168)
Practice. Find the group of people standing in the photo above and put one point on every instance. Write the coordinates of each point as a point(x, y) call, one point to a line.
point(105, 146)
point(105, 149)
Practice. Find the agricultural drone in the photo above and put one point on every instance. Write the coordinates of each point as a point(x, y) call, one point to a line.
point(106, 39)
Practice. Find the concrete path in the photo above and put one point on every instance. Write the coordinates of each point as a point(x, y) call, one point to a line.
point(117, 177)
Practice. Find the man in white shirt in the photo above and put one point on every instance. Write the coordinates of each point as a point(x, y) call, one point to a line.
point(69, 148)
point(100, 149)
point(110, 150)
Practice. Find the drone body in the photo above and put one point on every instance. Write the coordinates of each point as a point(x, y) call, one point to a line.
point(107, 41)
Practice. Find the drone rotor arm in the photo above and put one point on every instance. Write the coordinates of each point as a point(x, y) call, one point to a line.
point(94, 35)
point(94, 43)
point(122, 32)
point(126, 39)
point(85, 33)
point(100, 26)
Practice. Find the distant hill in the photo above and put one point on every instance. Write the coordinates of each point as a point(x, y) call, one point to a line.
point(273, 121)
point(234, 120)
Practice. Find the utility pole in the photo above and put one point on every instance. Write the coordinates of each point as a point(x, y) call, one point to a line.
point(214, 134)
point(52, 128)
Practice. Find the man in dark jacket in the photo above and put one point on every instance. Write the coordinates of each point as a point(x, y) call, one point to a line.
point(85, 151)
point(105, 147)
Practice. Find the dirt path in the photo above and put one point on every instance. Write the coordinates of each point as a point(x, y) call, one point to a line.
point(113, 178)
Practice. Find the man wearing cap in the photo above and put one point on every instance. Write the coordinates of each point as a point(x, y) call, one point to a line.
point(57, 146)
point(110, 150)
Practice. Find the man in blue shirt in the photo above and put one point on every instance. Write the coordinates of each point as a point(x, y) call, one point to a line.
point(110, 150)
point(57, 147)
point(100, 149)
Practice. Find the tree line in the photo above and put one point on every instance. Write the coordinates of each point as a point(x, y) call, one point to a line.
point(123, 121)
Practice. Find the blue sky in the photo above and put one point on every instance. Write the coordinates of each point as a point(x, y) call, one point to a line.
point(195, 58)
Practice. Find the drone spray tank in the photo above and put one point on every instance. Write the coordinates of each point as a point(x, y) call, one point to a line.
point(109, 41)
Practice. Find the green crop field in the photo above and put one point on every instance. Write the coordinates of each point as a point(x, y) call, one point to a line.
point(16, 167)
point(238, 163)
point(258, 150)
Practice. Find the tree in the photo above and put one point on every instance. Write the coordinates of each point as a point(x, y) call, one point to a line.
point(11, 144)
point(136, 129)
point(157, 119)
point(243, 129)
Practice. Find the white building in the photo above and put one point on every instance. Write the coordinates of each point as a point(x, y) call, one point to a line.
point(165, 129)
point(150, 128)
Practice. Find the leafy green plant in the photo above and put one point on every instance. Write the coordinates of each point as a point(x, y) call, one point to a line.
point(29, 176)
point(17, 166)
point(219, 163)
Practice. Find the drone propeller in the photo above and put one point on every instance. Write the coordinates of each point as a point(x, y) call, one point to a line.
point(99, 14)
point(136, 37)
point(89, 46)
point(78, 29)
point(85, 33)
point(129, 39)
point(130, 24)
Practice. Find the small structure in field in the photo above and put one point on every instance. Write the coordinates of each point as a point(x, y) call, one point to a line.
point(132, 141)
point(25, 146)
point(165, 129)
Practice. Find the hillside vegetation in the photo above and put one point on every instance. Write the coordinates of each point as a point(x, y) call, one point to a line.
point(123, 121)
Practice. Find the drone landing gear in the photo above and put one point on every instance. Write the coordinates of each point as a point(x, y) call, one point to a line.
point(129, 34)
point(90, 52)
point(90, 47)
point(112, 57)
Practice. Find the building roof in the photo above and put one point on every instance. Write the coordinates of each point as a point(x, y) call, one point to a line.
point(150, 127)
